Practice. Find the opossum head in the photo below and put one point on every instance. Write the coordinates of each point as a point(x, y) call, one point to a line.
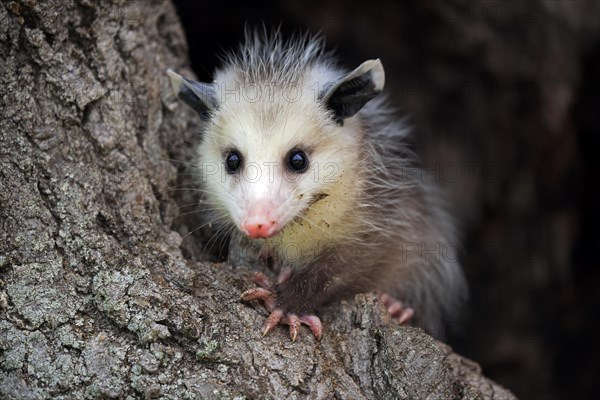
point(281, 143)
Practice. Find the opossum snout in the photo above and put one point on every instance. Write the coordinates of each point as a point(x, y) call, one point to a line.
point(260, 221)
point(260, 229)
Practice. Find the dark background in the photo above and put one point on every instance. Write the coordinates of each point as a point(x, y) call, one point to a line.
point(504, 97)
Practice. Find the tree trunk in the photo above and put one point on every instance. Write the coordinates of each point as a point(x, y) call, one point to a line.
point(97, 299)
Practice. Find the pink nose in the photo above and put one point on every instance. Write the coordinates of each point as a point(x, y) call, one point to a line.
point(259, 228)
point(260, 220)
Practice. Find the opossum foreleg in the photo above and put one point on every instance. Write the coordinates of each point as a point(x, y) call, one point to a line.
point(278, 315)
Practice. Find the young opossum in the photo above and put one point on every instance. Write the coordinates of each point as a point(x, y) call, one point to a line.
point(313, 172)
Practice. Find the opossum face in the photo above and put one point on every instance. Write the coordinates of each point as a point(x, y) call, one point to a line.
point(272, 163)
point(271, 156)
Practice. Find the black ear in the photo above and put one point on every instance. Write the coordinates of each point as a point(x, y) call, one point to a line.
point(202, 97)
point(350, 93)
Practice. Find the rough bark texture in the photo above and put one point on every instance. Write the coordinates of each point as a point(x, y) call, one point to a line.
point(96, 298)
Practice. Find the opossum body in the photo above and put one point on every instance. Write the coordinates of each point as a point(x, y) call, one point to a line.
point(311, 171)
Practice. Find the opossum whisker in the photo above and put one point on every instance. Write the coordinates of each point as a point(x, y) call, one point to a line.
point(184, 162)
point(220, 235)
point(204, 225)
point(202, 210)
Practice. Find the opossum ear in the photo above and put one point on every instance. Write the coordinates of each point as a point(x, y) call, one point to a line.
point(202, 97)
point(350, 93)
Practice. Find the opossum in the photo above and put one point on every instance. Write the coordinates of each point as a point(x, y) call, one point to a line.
point(311, 169)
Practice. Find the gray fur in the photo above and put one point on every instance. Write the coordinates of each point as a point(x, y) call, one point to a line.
point(265, 57)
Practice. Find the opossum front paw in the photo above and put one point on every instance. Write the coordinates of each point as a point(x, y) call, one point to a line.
point(278, 315)
point(396, 308)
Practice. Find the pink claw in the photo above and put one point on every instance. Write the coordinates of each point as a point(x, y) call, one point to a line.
point(314, 323)
point(260, 294)
point(406, 315)
point(294, 322)
point(277, 315)
point(272, 320)
point(262, 280)
point(396, 308)
point(256, 293)
point(284, 274)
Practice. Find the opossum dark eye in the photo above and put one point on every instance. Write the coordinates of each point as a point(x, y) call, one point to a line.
point(233, 161)
point(297, 161)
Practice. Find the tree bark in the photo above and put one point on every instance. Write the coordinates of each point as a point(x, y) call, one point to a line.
point(97, 299)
